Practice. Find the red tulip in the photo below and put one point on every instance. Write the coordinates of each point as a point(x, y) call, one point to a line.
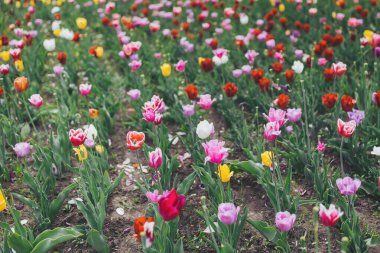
point(77, 137)
point(329, 216)
point(135, 140)
point(170, 204)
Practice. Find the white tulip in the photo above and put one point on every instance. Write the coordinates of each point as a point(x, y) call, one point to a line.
point(90, 131)
point(298, 67)
point(205, 129)
point(243, 19)
point(376, 151)
point(49, 44)
point(66, 34)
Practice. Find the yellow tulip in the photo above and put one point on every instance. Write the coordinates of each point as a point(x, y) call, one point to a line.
point(57, 32)
point(224, 173)
point(368, 35)
point(60, 2)
point(166, 69)
point(100, 149)
point(333, 14)
point(272, 2)
point(81, 152)
point(99, 51)
point(266, 158)
point(5, 56)
point(18, 4)
point(3, 203)
point(281, 8)
point(19, 65)
point(81, 23)
point(96, 2)
point(200, 60)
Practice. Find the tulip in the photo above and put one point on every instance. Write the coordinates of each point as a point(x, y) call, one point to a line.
point(356, 115)
point(21, 84)
point(276, 116)
point(346, 129)
point(89, 143)
point(4, 69)
point(294, 115)
point(271, 131)
point(251, 55)
point(99, 149)
point(99, 51)
point(49, 44)
point(339, 68)
point(85, 89)
point(58, 70)
point(321, 147)
point(266, 158)
point(329, 216)
point(90, 131)
point(19, 65)
point(375, 151)
point(135, 65)
point(5, 55)
point(94, 114)
point(134, 94)
point(81, 152)
point(3, 203)
point(170, 204)
point(228, 213)
point(285, 221)
point(205, 101)
point(135, 140)
point(138, 225)
point(36, 100)
point(148, 233)
point(77, 137)
point(188, 110)
point(181, 66)
point(298, 67)
point(155, 158)
point(204, 129)
point(215, 151)
point(348, 186)
point(166, 69)
point(22, 149)
point(81, 23)
point(153, 196)
point(224, 173)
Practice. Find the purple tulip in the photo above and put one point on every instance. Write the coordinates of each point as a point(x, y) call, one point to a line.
point(228, 213)
point(22, 149)
point(348, 186)
point(285, 221)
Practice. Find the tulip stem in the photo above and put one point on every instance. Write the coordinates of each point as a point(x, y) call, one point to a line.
point(30, 117)
point(306, 119)
point(328, 240)
point(341, 156)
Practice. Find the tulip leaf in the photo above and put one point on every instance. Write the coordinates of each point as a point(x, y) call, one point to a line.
point(185, 185)
point(49, 239)
point(19, 243)
point(98, 241)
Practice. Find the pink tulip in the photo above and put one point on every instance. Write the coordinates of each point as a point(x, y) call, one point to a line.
point(285, 221)
point(22, 149)
point(346, 129)
point(251, 55)
point(271, 131)
point(58, 70)
point(149, 115)
point(348, 186)
point(276, 115)
point(322, 62)
point(134, 94)
point(339, 68)
point(155, 158)
point(135, 65)
point(153, 196)
point(294, 115)
point(215, 151)
point(36, 100)
point(228, 213)
point(329, 216)
point(205, 101)
point(321, 147)
point(85, 89)
point(181, 66)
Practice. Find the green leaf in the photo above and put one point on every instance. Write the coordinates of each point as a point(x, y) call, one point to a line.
point(185, 185)
point(19, 243)
point(178, 247)
point(57, 203)
point(254, 169)
point(49, 239)
point(98, 241)
point(226, 248)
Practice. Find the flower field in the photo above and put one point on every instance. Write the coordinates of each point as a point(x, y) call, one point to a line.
point(198, 126)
